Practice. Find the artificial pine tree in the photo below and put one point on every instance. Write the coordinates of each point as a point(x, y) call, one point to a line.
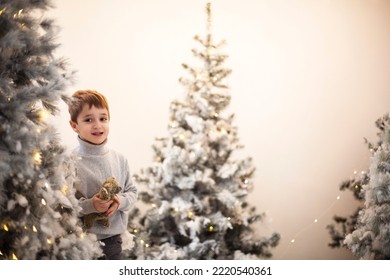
point(343, 226)
point(38, 211)
point(196, 188)
point(370, 238)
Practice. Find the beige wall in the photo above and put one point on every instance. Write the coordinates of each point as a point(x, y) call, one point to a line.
point(309, 80)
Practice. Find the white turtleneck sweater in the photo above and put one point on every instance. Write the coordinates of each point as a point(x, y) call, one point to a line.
point(94, 164)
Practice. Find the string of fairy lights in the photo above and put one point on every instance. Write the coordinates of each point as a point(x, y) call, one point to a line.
point(297, 236)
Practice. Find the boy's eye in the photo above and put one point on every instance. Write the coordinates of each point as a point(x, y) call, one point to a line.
point(104, 119)
point(88, 120)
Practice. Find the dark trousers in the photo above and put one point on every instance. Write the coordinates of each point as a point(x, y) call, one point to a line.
point(112, 248)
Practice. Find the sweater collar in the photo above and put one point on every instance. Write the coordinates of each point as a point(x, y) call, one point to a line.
point(87, 148)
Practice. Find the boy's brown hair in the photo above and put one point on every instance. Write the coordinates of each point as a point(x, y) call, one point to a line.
point(90, 97)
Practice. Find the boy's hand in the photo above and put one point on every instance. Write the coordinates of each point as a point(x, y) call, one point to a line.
point(114, 206)
point(100, 204)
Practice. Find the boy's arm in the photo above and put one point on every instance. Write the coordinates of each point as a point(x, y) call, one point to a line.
point(86, 206)
point(128, 197)
point(93, 204)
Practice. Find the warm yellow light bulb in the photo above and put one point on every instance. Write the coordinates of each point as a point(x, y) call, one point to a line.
point(64, 189)
point(5, 227)
point(182, 137)
point(43, 201)
point(18, 14)
point(43, 115)
point(37, 157)
point(35, 229)
point(13, 257)
point(211, 228)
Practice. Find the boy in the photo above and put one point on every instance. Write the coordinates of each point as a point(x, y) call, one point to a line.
point(95, 162)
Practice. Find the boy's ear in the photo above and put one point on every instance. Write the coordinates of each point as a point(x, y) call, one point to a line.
point(73, 125)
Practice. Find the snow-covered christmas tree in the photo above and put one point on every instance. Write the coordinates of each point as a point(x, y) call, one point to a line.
point(38, 210)
point(196, 188)
point(343, 226)
point(370, 238)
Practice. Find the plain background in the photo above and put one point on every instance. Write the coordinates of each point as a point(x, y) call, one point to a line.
point(309, 79)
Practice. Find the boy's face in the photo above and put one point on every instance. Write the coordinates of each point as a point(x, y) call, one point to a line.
point(92, 124)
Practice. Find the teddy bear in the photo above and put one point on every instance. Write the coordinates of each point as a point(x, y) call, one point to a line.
point(107, 191)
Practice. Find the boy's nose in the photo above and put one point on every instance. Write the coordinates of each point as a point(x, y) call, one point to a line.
point(96, 125)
